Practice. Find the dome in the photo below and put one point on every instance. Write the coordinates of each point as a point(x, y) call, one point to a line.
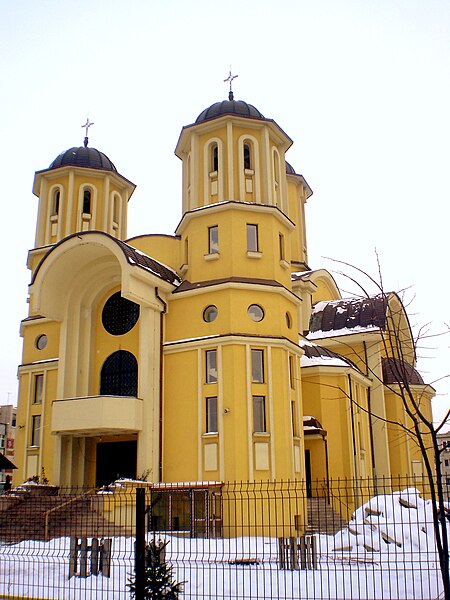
point(229, 107)
point(290, 169)
point(90, 158)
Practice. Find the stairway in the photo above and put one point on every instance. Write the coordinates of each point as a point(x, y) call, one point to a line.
point(322, 518)
point(26, 515)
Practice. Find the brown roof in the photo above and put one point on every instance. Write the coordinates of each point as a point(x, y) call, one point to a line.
point(187, 285)
point(398, 371)
point(149, 264)
point(349, 314)
point(133, 256)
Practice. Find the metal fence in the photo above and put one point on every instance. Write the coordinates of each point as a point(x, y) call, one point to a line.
point(278, 540)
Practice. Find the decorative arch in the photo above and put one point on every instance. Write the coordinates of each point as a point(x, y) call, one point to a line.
point(213, 170)
point(119, 375)
point(249, 177)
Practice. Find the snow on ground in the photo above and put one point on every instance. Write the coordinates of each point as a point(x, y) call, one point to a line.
point(388, 551)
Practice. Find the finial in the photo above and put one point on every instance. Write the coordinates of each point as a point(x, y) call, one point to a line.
point(230, 79)
point(86, 126)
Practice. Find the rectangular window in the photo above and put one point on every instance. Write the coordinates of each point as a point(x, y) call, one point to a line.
point(36, 431)
point(259, 414)
point(281, 244)
point(257, 366)
point(38, 387)
point(211, 415)
point(211, 366)
point(213, 240)
point(252, 238)
point(446, 462)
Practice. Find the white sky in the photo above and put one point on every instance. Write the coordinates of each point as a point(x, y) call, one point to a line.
point(361, 87)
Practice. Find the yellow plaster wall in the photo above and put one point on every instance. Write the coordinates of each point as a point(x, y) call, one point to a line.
point(164, 248)
point(180, 417)
point(31, 331)
point(232, 305)
point(232, 259)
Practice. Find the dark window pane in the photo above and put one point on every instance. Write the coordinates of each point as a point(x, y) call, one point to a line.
point(119, 376)
point(119, 314)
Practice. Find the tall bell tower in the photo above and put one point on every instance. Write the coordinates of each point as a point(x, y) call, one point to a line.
point(80, 191)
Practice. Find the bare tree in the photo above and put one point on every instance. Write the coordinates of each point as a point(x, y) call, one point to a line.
point(422, 430)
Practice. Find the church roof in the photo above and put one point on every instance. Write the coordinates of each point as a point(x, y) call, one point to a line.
point(399, 371)
point(229, 107)
point(353, 315)
point(316, 356)
point(135, 257)
point(90, 158)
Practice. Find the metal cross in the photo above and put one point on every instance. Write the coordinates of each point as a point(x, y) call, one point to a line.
point(87, 125)
point(230, 79)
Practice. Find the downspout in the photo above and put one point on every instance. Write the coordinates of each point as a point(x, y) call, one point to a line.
point(369, 410)
point(350, 395)
point(161, 372)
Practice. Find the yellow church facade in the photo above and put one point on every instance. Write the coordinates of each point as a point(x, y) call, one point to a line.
point(213, 355)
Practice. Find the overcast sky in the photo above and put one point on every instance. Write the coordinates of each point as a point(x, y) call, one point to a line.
point(362, 87)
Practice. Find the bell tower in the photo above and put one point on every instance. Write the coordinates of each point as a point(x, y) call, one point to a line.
point(80, 191)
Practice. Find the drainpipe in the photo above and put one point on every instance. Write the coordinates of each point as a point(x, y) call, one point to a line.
point(161, 339)
point(350, 394)
point(369, 410)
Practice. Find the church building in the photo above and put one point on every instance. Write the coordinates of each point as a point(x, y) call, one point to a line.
point(216, 354)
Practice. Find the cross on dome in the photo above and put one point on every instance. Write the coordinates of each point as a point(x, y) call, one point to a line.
point(230, 79)
point(86, 126)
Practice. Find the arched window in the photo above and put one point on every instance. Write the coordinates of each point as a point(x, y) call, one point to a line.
point(55, 202)
point(116, 214)
point(87, 201)
point(276, 179)
point(214, 157)
point(119, 375)
point(247, 157)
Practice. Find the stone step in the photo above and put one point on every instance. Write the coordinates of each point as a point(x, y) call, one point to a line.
point(322, 518)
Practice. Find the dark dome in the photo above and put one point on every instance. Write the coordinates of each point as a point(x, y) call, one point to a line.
point(399, 371)
point(229, 107)
point(89, 158)
point(290, 169)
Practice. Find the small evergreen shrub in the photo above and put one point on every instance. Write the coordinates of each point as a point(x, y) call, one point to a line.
point(159, 581)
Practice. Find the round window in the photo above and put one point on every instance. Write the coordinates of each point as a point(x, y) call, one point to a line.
point(119, 314)
point(288, 320)
point(41, 342)
point(210, 313)
point(255, 312)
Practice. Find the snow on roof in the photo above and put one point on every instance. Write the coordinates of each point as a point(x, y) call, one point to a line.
point(315, 355)
point(348, 315)
point(317, 335)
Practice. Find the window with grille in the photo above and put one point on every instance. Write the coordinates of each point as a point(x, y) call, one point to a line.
point(119, 315)
point(119, 375)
